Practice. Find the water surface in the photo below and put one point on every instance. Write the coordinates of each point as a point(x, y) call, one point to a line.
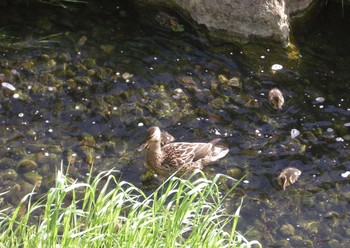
point(87, 88)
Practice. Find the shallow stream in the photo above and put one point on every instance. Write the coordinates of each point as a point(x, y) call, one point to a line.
point(84, 85)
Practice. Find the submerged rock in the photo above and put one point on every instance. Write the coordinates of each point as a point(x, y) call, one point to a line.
point(6, 163)
point(287, 229)
point(87, 140)
point(9, 174)
point(27, 165)
point(169, 22)
point(234, 20)
point(33, 178)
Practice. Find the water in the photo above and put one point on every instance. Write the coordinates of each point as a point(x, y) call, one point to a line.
point(87, 88)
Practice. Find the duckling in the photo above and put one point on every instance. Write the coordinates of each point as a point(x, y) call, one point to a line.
point(288, 176)
point(276, 98)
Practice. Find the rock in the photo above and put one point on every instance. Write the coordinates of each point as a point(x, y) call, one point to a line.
point(9, 174)
point(235, 173)
point(87, 154)
point(107, 48)
point(234, 82)
point(287, 230)
point(33, 178)
point(189, 83)
point(334, 244)
point(332, 215)
point(169, 22)
point(27, 165)
point(235, 20)
point(87, 139)
point(6, 163)
point(26, 187)
point(312, 227)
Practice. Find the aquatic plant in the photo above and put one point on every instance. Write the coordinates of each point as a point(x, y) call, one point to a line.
point(61, 3)
point(104, 212)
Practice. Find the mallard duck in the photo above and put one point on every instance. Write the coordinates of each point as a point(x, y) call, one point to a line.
point(178, 156)
point(276, 98)
point(288, 176)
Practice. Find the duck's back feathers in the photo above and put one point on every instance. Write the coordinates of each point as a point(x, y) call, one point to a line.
point(179, 156)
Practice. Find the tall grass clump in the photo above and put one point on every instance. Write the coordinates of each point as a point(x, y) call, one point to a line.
point(106, 213)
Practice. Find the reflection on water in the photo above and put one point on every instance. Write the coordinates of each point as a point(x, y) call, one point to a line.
point(87, 94)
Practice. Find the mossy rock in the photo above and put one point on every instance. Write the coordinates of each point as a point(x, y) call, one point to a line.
point(287, 230)
point(33, 178)
point(9, 174)
point(235, 173)
point(27, 165)
point(6, 163)
point(87, 140)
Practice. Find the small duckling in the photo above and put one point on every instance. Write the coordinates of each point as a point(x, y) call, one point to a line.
point(288, 176)
point(276, 98)
point(166, 138)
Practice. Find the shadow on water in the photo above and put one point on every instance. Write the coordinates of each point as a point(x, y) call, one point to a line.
point(87, 88)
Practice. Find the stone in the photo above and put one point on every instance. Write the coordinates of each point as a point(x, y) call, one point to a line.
point(26, 165)
point(234, 20)
point(33, 178)
point(287, 230)
point(9, 174)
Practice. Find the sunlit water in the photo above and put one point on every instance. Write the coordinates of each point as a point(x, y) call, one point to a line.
point(86, 89)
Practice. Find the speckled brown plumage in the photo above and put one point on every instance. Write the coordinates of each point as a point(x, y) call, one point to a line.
point(178, 156)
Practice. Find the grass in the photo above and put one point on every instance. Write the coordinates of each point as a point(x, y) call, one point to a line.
point(61, 3)
point(106, 213)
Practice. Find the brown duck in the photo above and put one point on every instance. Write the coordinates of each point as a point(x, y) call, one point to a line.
point(276, 98)
point(178, 156)
point(288, 176)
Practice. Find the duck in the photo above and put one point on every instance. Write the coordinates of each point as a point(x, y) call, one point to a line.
point(178, 157)
point(288, 176)
point(276, 98)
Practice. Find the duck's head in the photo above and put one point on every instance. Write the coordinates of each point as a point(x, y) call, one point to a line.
point(276, 98)
point(153, 136)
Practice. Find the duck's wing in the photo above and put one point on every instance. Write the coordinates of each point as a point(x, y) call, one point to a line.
point(178, 154)
point(202, 150)
point(183, 152)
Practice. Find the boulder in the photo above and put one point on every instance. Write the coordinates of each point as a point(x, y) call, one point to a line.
point(234, 20)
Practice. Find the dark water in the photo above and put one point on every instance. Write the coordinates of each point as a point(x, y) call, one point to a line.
point(89, 82)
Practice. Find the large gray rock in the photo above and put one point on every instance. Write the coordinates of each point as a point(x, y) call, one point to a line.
point(237, 20)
